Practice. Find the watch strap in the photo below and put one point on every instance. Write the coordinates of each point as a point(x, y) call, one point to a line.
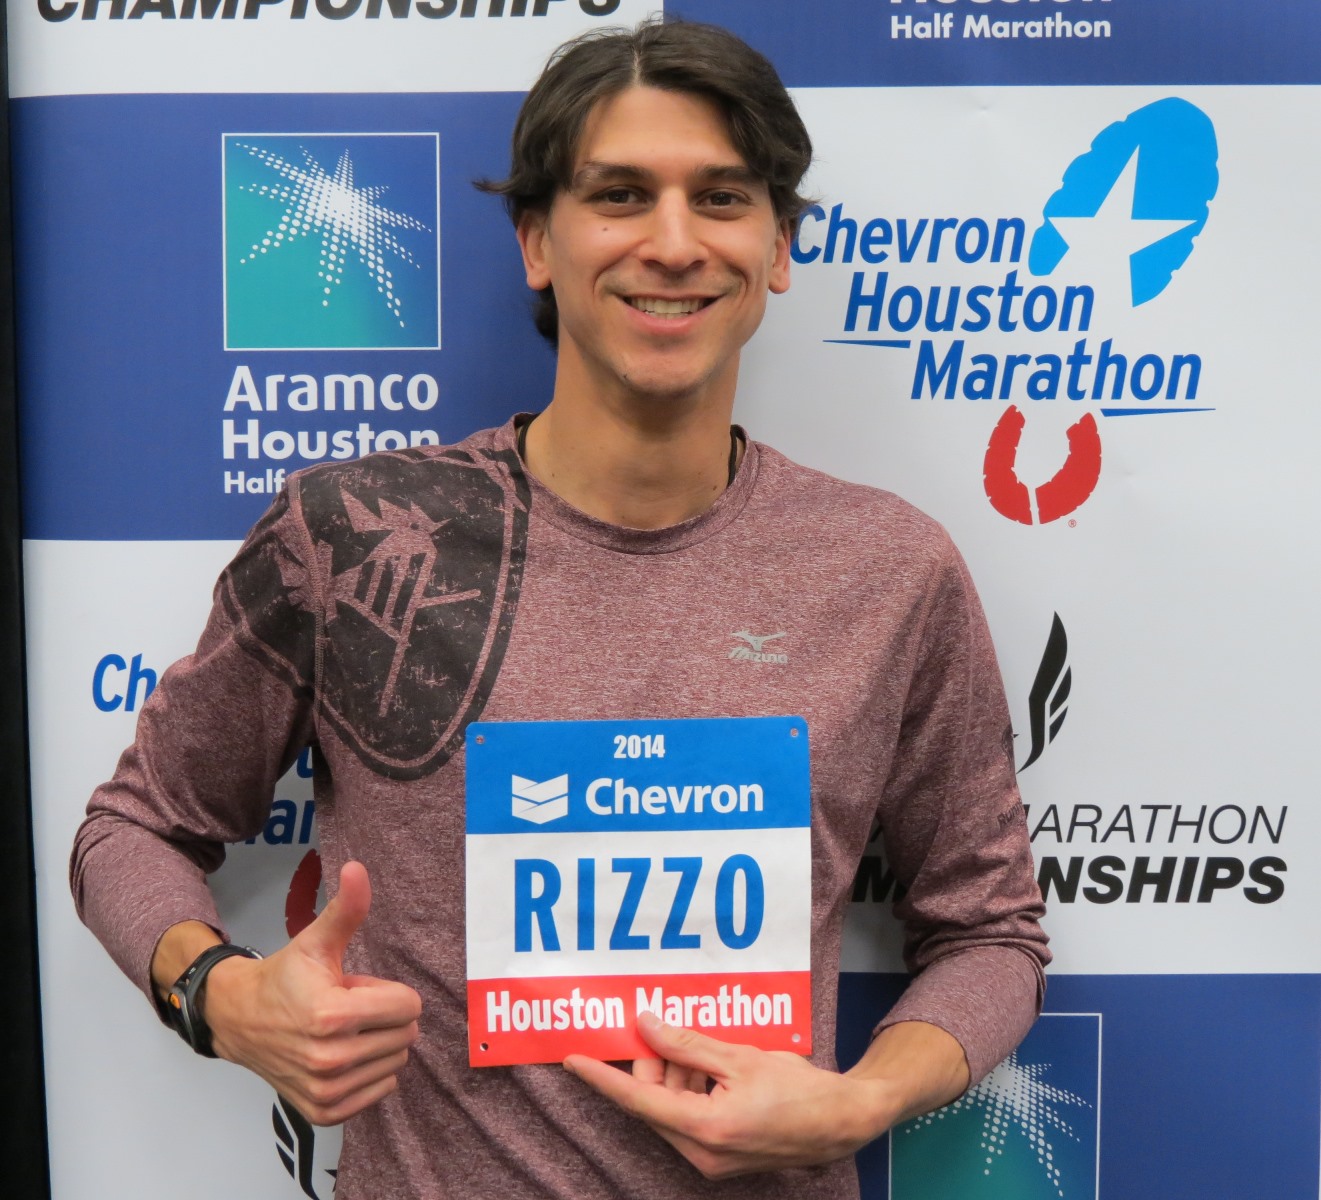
point(183, 1002)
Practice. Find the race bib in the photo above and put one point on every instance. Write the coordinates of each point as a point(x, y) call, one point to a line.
point(621, 866)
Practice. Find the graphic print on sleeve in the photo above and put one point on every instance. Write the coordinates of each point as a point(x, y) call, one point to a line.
point(417, 563)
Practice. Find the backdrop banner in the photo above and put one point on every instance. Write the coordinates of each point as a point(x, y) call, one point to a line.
point(1055, 290)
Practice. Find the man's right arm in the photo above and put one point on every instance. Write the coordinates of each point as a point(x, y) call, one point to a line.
point(212, 740)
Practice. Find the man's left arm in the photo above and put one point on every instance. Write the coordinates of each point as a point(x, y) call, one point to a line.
point(956, 838)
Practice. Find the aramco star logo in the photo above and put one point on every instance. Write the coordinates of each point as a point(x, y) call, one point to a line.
point(331, 242)
point(1028, 1131)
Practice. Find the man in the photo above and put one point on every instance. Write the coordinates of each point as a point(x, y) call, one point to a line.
point(654, 193)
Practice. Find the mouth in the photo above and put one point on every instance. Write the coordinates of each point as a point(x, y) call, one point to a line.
point(658, 306)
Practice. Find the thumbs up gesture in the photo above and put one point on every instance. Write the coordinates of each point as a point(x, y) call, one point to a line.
point(330, 1043)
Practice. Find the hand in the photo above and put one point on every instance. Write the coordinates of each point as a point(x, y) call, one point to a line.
point(765, 1111)
point(332, 1044)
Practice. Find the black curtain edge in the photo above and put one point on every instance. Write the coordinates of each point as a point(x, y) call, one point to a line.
point(23, 1143)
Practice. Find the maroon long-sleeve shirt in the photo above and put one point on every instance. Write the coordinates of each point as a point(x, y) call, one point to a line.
point(383, 604)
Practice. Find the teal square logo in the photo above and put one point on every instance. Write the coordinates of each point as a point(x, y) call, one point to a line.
point(332, 241)
point(1029, 1131)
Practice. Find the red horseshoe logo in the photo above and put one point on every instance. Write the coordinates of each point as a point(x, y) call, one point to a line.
point(1057, 497)
point(300, 904)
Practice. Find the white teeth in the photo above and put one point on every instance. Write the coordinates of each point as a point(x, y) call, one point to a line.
point(656, 307)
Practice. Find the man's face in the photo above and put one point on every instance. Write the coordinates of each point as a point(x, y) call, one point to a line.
point(661, 251)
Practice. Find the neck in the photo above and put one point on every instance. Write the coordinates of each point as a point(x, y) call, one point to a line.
point(632, 469)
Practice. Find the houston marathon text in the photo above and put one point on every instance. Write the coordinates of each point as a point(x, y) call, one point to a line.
point(727, 1008)
point(1033, 24)
point(298, 10)
point(266, 447)
point(997, 301)
point(1189, 854)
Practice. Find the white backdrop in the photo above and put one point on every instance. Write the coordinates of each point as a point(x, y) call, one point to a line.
point(1182, 583)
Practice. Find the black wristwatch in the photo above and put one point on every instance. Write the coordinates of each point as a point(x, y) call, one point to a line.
point(183, 1004)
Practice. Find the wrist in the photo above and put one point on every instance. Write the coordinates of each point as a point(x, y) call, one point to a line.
point(877, 1106)
point(177, 951)
point(912, 1068)
point(185, 1004)
point(224, 996)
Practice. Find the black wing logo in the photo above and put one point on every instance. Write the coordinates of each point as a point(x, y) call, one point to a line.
point(1048, 701)
point(296, 1145)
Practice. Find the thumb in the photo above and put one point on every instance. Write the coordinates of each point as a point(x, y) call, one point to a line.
point(326, 938)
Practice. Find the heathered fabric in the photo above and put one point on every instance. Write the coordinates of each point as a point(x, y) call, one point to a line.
point(382, 604)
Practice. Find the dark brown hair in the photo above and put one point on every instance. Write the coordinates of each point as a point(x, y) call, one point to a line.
point(674, 56)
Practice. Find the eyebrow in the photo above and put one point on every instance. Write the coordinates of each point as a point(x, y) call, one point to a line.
point(594, 174)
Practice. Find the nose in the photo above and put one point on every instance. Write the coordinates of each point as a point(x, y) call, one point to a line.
point(673, 239)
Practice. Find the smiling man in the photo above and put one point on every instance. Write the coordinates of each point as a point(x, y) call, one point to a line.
point(382, 606)
point(660, 253)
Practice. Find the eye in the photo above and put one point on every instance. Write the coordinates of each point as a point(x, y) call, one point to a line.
point(617, 196)
point(725, 201)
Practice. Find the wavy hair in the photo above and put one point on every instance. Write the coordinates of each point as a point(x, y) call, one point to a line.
point(674, 56)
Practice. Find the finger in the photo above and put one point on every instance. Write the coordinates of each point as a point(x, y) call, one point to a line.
point(327, 937)
point(345, 1011)
point(649, 1070)
point(655, 1104)
point(611, 1082)
point(365, 981)
point(679, 1078)
point(349, 1106)
point(397, 1003)
point(340, 1057)
point(687, 1048)
point(330, 1090)
point(671, 1075)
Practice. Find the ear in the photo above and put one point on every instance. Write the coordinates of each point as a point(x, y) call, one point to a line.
point(533, 240)
point(779, 275)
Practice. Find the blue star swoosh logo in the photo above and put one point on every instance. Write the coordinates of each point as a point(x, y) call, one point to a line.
point(1145, 186)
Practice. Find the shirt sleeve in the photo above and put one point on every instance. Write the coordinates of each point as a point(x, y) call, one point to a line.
point(217, 733)
point(955, 835)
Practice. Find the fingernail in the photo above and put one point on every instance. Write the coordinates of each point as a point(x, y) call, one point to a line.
point(650, 1019)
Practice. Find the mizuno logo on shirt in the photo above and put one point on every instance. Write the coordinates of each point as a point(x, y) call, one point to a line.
point(754, 650)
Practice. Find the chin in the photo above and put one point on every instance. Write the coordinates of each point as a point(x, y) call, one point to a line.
point(670, 386)
point(670, 392)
